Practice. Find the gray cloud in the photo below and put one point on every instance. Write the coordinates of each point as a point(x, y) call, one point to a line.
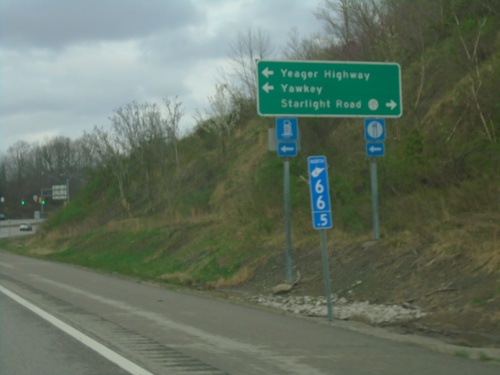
point(65, 65)
point(56, 23)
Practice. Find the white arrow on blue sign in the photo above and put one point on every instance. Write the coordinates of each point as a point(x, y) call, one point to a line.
point(287, 149)
point(320, 192)
point(375, 149)
point(374, 129)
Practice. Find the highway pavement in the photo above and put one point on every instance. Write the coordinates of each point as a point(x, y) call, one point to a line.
point(10, 228)
point(164, 331)
point(30, 345)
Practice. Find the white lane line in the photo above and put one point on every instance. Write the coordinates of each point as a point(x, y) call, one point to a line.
point(104, 351)
point(6, 265)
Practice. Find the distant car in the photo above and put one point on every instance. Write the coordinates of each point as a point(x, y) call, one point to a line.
point(2, 217)
point(25, 227)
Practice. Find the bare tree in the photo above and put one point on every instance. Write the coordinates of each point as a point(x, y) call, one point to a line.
point(84, 158)
point(245, 51)
point(339, 25)
point(19, 168)
point(352, 26)
point(174, 113)
point(336, 15)
point(304, 48)
point(491, 6)
point(138, 131)
point(108, 151)
point(56, 155)
point(18, 161)
point(221, 117)
point(476, 80)
point(3, 176)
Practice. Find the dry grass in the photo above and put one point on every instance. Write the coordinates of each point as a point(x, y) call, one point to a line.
point(62, 234)
point(489, 254)
point(130, 225)
point(41, 251)
point(177, 278)
point(245, 165)
point(243, 275)
point(475, 236)
point(155, 256)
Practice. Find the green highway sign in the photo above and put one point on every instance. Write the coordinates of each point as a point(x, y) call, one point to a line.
point(329, 89)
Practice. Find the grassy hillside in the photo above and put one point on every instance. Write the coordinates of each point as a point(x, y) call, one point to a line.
point(220, 213)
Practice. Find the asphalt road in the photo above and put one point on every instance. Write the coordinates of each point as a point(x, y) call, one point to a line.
point(29, 345)
point(168, 332)
point(10, 228)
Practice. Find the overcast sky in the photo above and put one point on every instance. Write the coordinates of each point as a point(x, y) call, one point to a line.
point(66, 65)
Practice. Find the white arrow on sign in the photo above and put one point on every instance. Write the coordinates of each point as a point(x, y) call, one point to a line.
point(285, 149)
point(373, 148)
point(267, 72)
point(392, 104)
point(267, 87)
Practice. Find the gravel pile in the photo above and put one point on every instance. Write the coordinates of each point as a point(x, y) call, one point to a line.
point(342, 309)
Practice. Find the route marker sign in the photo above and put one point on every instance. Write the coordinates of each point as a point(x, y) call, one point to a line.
point(320, 192)
point(329, 89)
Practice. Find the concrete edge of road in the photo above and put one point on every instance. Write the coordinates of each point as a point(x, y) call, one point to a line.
point(475, 353)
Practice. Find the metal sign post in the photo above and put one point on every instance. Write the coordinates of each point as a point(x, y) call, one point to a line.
point(326, 274)
point(374, 185)
point(287, 136)
point(288, 230)
point(321, 215)
point(375, 137)
point(44, 193)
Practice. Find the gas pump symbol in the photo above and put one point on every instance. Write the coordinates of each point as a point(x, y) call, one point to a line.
point(287, 129)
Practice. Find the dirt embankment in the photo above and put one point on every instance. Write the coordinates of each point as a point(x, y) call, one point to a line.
point(456, 291)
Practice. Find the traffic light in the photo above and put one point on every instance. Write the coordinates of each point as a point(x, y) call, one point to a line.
point(43, 202)
point(22, 202)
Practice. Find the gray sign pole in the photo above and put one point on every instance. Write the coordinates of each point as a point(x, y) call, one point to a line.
point(374, 184)
point(288, 231)
point(285, 140)
point(326, 274)
point(321, 214)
